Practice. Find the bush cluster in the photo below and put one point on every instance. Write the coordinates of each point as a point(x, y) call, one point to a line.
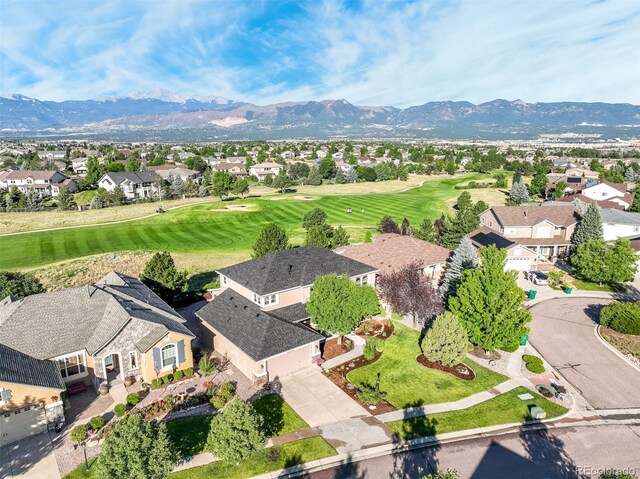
point(223, 395)
point(97, 422)
point(622, 317)
point(369, 395)
point(133, 399)
point(119, 410)
point(373, 345)
point(79, 433)
point(533, 364)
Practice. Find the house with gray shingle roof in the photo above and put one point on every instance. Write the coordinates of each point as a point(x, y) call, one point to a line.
point(134, 184)
point(105, 331)
point(259, 319)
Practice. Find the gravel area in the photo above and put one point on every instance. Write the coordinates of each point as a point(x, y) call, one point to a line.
point(500, 365)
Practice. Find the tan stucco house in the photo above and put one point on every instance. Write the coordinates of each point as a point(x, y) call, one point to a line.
point(259, 319)
point(97, 333)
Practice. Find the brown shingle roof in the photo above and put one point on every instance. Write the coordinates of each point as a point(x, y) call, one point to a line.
point(390, 252)
point(533, 215)
point(35, 174)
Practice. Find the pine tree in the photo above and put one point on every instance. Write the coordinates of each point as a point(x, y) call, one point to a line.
point(464, 257)
point(489, 302)
point(589, 227)
point(65, 199)
point(340, 237)
point(519, 193)
point(176, 185)
point(427, 231)
point(629, 175)
point(635, 206)
point(352, 175)
point(446, 340)
point(405, 228)
point(162, 277)
point(272, 238)
point(236, 432)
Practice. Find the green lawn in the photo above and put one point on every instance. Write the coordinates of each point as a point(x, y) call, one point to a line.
point(504, 409)
point(81, 473)
point(408, 383)
point(587, 286)
point(203, 228)
point(279, 418)
point(263, 461)
point(85, 197)
point(189, 435)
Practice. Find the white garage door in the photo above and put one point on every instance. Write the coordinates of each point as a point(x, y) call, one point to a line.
point(518, 264)
point(289, 362)
point(16, 426)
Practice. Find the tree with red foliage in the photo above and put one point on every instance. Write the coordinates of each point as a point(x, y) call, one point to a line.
point(408, 291)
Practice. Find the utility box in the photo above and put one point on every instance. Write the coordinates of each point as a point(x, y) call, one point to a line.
point(536, 412)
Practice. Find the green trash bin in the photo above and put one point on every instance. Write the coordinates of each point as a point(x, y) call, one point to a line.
point(524, 339)
point(532, 294)
point(568, 290)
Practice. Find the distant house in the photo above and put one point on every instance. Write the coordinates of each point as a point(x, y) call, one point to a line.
point(166, 171)
point(52, 155)
point(619, 224)
point(606, 190)
point(234, 169)
point(259, 319)
point(44, 183)
point(344, 167)
point(134, 184)
point(390, 252)
point(237, 160)
point(91, 334)
point(519, 258)
point(583, 172)
point(546, 230)
point(262, 170)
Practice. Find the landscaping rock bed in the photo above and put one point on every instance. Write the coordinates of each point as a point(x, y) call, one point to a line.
point(332, 349)
point(339, 377)
point(375, 328)
point(461, 371)
point(480, 353)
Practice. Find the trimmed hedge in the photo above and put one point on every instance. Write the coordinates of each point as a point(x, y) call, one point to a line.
point(119, 410)
point(133, 398)
point(622, 317)
point(533, 363)
point(97, 422)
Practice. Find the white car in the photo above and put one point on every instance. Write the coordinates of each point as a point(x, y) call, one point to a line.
point(539, 278)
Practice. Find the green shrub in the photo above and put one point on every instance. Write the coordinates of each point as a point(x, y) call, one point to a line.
point(373, 345)
point(369, 395)
point(535, 368)
point(169, 401)
point(97, 422)
point(207, 366)
point(178, 375)
point(119, 410)
point(79, 433)
point(622, 317)
point(167, 379)
point(133, 398)
point(155, 383)
point(528, 358)
point(511, 348)
point(188, 372)
point(223, 395)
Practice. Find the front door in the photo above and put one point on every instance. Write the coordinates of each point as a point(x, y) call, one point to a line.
point(112, 367)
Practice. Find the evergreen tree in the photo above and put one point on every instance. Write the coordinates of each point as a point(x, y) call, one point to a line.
point(629, 175)
point(97, 202)
point(314, 217)
point(272, 238)
point(65, 199)
point(559, 190)
point(236, 432)
point(489, 302)
point(162, 277)
point(327, 167)
point(352, 175)
point(589, 227)
point(635, 206)
point(320, 235)
point(405, 228)
point(136, 448)
point(190, 188)
point(427, 231)
point(314, 178)
point(32, 200)
point(176, 185)
point(340, 237)
point(446, 340)
point(18, 285)
point(463, 258)
point(388, 225)
point(519, 193)
point(367, 237)
point(341, 179)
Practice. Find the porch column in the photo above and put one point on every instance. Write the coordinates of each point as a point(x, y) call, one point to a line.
point(555, 251)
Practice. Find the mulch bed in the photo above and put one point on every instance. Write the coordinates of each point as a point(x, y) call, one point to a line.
point(377, 328)
point(478, 352)
point(339, 378)
point(461, 371)
point(332, 349)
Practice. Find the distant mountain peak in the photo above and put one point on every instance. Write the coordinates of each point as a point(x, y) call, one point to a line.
point(168, 97)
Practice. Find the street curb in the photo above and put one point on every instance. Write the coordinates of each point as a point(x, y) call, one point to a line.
point(613, 349)
point(420, 443)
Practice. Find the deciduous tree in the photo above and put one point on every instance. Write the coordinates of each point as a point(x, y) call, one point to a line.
point(222, 183)
point(240, 187)
point(601, 262)
point(272, 238)
point(489, 302)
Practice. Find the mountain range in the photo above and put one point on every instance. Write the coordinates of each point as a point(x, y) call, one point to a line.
point(162, 115)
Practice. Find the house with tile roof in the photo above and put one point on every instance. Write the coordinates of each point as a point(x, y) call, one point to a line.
point(546, 230)
point(103, 332)
point(259, 319)
point(390, 252)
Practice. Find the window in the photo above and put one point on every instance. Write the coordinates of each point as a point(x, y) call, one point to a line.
point(481, 220)
point(224, 280)
point(5, 395)
point(133, 360)
point(256, 298)
point(169, 356)
point(72, 365)
point(269, 299)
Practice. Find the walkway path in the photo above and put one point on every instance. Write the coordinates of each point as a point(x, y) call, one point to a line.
point(357, 351)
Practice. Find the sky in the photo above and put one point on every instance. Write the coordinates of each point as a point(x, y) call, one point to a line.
point(377, 52)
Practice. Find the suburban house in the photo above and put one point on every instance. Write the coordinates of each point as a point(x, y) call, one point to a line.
point(344, 167)
point(390, 252)
point(134, 184)
point(584, 172)
point(519, 258)
point(44, 183)
point(574, 184)
point(168, 171)
point(52, 155)
point(546, 230)
point(234, 169)
point(259, 319)
point(30, 395)
point(619, 224)
point(91, 334)
point(605, 190)
point(262, 170)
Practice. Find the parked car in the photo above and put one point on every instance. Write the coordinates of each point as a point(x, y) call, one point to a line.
point(539, 278)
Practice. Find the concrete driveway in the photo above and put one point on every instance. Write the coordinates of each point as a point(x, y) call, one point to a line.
point(317, 400)
point(31, 458)
point(563, 331)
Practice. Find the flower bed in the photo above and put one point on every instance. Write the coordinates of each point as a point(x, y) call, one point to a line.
point(332, 349)
point(375, 328)
point(478, 352)
point(339, 377)
point(461, 371)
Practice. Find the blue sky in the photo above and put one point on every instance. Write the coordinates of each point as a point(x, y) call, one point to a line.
point(369, 52)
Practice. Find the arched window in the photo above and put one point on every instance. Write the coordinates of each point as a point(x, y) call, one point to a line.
point(169, 355)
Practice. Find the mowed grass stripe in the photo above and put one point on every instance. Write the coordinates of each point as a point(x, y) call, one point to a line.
point(201, 228)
